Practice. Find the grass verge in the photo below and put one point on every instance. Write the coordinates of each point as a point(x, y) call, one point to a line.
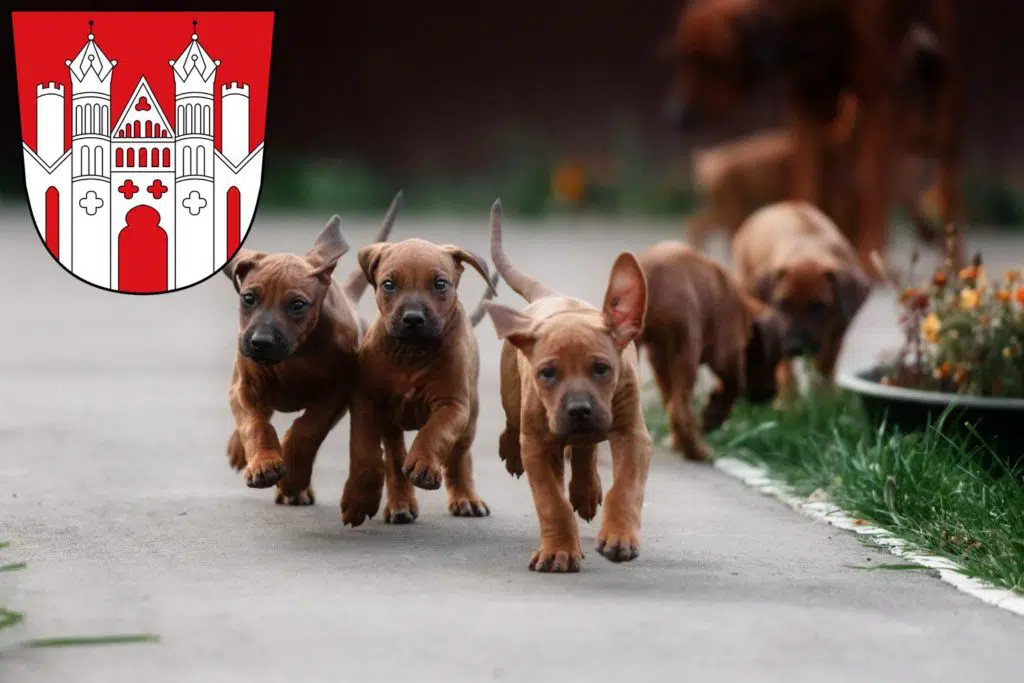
point(9, 619)
point(922, 487)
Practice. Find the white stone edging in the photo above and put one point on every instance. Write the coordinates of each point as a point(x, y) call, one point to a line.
point(758, 478)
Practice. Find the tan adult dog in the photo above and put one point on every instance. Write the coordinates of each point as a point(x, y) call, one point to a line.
point(793, 257)
point(419, 368)
point(698, 315)
point(569, 380)
point(298, 337)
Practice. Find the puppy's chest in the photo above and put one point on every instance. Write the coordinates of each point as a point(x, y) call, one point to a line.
point(407, 406)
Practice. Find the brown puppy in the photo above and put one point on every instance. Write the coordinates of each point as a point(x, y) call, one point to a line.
point(419, 367)
point(791, 256)
point(298, 336)
point(697, 314)
point(569, 380)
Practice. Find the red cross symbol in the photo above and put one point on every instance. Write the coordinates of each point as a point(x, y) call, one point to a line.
point(128, 189)
point(157, 189)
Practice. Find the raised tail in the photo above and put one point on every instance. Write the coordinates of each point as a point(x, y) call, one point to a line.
point(356, 283)
point(479, 312)
point(521, 283)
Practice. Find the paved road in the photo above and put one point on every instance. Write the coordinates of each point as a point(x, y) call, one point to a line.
point(115, 489)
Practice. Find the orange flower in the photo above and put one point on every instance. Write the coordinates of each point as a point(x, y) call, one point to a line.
point(568, 184)
point(1012, 276)
point(968, 273)
point(940, 278)
point(960, 376)
point(943, 371)
point(1003, 295)
point(1020, 295)
point(930, 328)
point(969, 298)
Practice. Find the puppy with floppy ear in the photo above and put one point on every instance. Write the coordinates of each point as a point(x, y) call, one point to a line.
point(297, 343)
point(570, 380)
point(419, 368)
point(793, 257)
point(698, 315)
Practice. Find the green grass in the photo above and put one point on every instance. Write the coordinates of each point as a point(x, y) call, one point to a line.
point(922, 487)
point(9, 619)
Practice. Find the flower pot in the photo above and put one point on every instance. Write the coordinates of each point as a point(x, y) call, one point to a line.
point(997, 422)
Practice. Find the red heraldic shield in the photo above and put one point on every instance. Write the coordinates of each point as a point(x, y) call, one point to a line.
point(142, 135)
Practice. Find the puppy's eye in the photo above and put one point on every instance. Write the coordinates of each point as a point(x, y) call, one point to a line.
point(601, 369)
point(440, 285)
point(547, 374)
point(249, 299)
point(297, 306)
point(388, 286)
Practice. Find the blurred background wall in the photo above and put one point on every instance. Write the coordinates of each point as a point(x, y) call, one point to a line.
point(459, 101)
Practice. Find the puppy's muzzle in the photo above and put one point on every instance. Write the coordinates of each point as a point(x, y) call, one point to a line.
point(414, 322)
point(265, 345)
point(580, 415)
point(800, 344)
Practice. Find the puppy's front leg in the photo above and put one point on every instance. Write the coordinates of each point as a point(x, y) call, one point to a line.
point(264, 465)
point(560, 549)
point(299, 448)
point(585, 484)
point(447, 422)
point(729, 371)
point(619, 538)
point(401, 506)
point(365, 483)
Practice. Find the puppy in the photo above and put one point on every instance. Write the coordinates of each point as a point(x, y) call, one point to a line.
point(419, 368)
point(697, 314)
point(569, 380)
point(791, 256)
point(297, 343)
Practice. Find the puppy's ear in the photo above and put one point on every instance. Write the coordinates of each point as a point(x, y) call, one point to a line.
point(764, 288)
point(851, 291)
point(766, 338)
point(369, 258)
point(461, 256)
point(514, 326)
point(625, 300)
point(328, 248)
point(238, 267)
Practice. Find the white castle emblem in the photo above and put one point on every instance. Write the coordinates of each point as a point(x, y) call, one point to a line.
point(139, 173)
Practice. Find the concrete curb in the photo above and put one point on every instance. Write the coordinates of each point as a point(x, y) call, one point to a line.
point(759, 478)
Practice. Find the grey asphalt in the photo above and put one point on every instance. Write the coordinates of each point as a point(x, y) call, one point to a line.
point(115, 489)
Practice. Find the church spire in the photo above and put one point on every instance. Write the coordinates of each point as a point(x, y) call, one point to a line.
point(90, 59)
point(194, 60)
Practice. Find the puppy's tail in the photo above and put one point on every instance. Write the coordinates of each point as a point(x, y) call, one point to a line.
point(479, 312)
point(356, 283)
point(521, 283)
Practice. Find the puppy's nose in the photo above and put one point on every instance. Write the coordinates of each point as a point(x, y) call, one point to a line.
point(262, 340)
point(414, 318)
point(578, 409)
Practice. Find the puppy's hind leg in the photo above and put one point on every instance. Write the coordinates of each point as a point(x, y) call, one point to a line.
point(685, 436)
point(729, 371)
point(401, 506)
point(463, 500)
point(236, 452)
point(299, 447)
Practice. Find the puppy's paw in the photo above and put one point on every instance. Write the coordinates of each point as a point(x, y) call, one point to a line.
point(468, 506)
point(236, 452)
point(264, 471)
point(359, 502)
point(556, 560)
point(712, 418)
point(585, 497)
point(509, 451)
point(404, 511)
point(303, 497)
point(698, 452)
point(618, 544)
point(422, 473)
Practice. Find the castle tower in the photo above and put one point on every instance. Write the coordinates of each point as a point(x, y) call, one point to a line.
point(50, 121)
point(90, 73)
point(192, 242)
point(234, 122)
